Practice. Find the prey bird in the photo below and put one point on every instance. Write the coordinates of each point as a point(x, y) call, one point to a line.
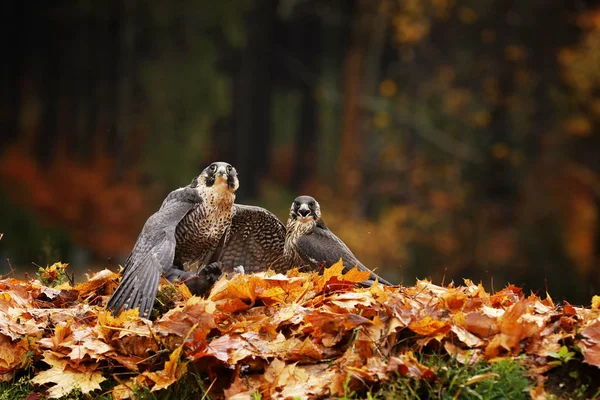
point(199, 228)
point(309, 242)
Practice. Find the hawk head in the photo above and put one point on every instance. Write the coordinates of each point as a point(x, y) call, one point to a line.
point(218, 175)
point(305, 209)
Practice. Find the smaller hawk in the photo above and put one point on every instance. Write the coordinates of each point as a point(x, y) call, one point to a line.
point(309, 242)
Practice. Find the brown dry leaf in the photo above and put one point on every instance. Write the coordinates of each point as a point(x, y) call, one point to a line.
point(590, 344)
point(329, 328)
point(481, 325)
point(464, 356)
point(226, 348)
point(281, 289)
point(304, 336)
point(13, 355)
point(196, 311)
point(513, 328)
point(351, 300)
point(62, 337)
point(66, 379)
point(100, 280)
point(174, 369)
point(539, 393)
point(453, 299)
point(569, 310)
point(428, 326)
point(467, 337)
point(334, 271)
point(237, 294)
point(124, 390)
point(356, 276)
point(482, 377)
point(407, 364)
point(17, 322)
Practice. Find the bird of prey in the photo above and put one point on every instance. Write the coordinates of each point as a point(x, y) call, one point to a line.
point(199, 228)
point(309, 242)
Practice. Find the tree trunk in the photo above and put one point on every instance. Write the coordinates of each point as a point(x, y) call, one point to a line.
point(308, 50)
point(252, 99)
point(48, 35)
point(125, 77)
point(12, 70)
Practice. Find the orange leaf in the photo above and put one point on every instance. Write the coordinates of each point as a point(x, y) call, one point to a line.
point(429, 326)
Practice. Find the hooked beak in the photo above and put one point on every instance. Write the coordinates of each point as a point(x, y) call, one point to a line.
point(303, 210)
point(222, 172)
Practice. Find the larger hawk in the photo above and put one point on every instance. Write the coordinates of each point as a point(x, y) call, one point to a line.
point(199, 227)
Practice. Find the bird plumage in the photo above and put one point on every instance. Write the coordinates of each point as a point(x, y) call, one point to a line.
point(197, 229)
point(255, 240)
point(310, 242)
point(153, 252)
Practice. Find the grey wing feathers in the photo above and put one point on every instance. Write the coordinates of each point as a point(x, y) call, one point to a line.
point(152, 254)
point(322, 245)
point(254, 240)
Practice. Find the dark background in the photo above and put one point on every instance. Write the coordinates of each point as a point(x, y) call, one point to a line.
point(444, 139)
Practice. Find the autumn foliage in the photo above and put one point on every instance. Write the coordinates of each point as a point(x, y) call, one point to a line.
point(101, 214)
point(299, 334)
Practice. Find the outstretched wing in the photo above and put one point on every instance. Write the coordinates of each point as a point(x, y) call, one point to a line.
point(152, 254)
point(321, 245)
point(254, 240)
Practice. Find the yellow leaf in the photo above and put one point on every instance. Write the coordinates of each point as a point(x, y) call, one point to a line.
point(428, 326)
point(354, 275)
point(66, 379)
point(334, 271)
point(479, 378)
point(172, 372)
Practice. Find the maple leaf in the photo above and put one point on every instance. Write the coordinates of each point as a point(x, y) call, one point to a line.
point(296, 335)
point(590, 344)
point(351, 300)
point(98, 281)
point(237, 294)
point(124, 390)
point(228, 349)
point(428, 326)
point(453, 299)
point(464, 356)
point(195, 312)
point(467, 337)
point(356, 276)
point(282, 289)
point(329, 328)
point(65, 379)
point(62, 337)
point(174, 369)
point(13, 355)
point(334, 271)
point(407, 364)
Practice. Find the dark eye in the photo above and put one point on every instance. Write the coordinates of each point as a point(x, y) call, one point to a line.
point(213, 167)
point(296, 204)
point(229, 169)
point(311, 204)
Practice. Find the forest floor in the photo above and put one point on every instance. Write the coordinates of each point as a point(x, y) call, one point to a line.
point(299, 335)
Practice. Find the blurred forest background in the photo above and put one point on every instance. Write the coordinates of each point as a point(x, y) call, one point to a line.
point(446, 139)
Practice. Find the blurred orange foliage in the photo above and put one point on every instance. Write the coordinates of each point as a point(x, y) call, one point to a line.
point(101, 212)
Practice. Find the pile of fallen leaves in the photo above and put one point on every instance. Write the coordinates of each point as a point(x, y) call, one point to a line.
point(299, 334)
